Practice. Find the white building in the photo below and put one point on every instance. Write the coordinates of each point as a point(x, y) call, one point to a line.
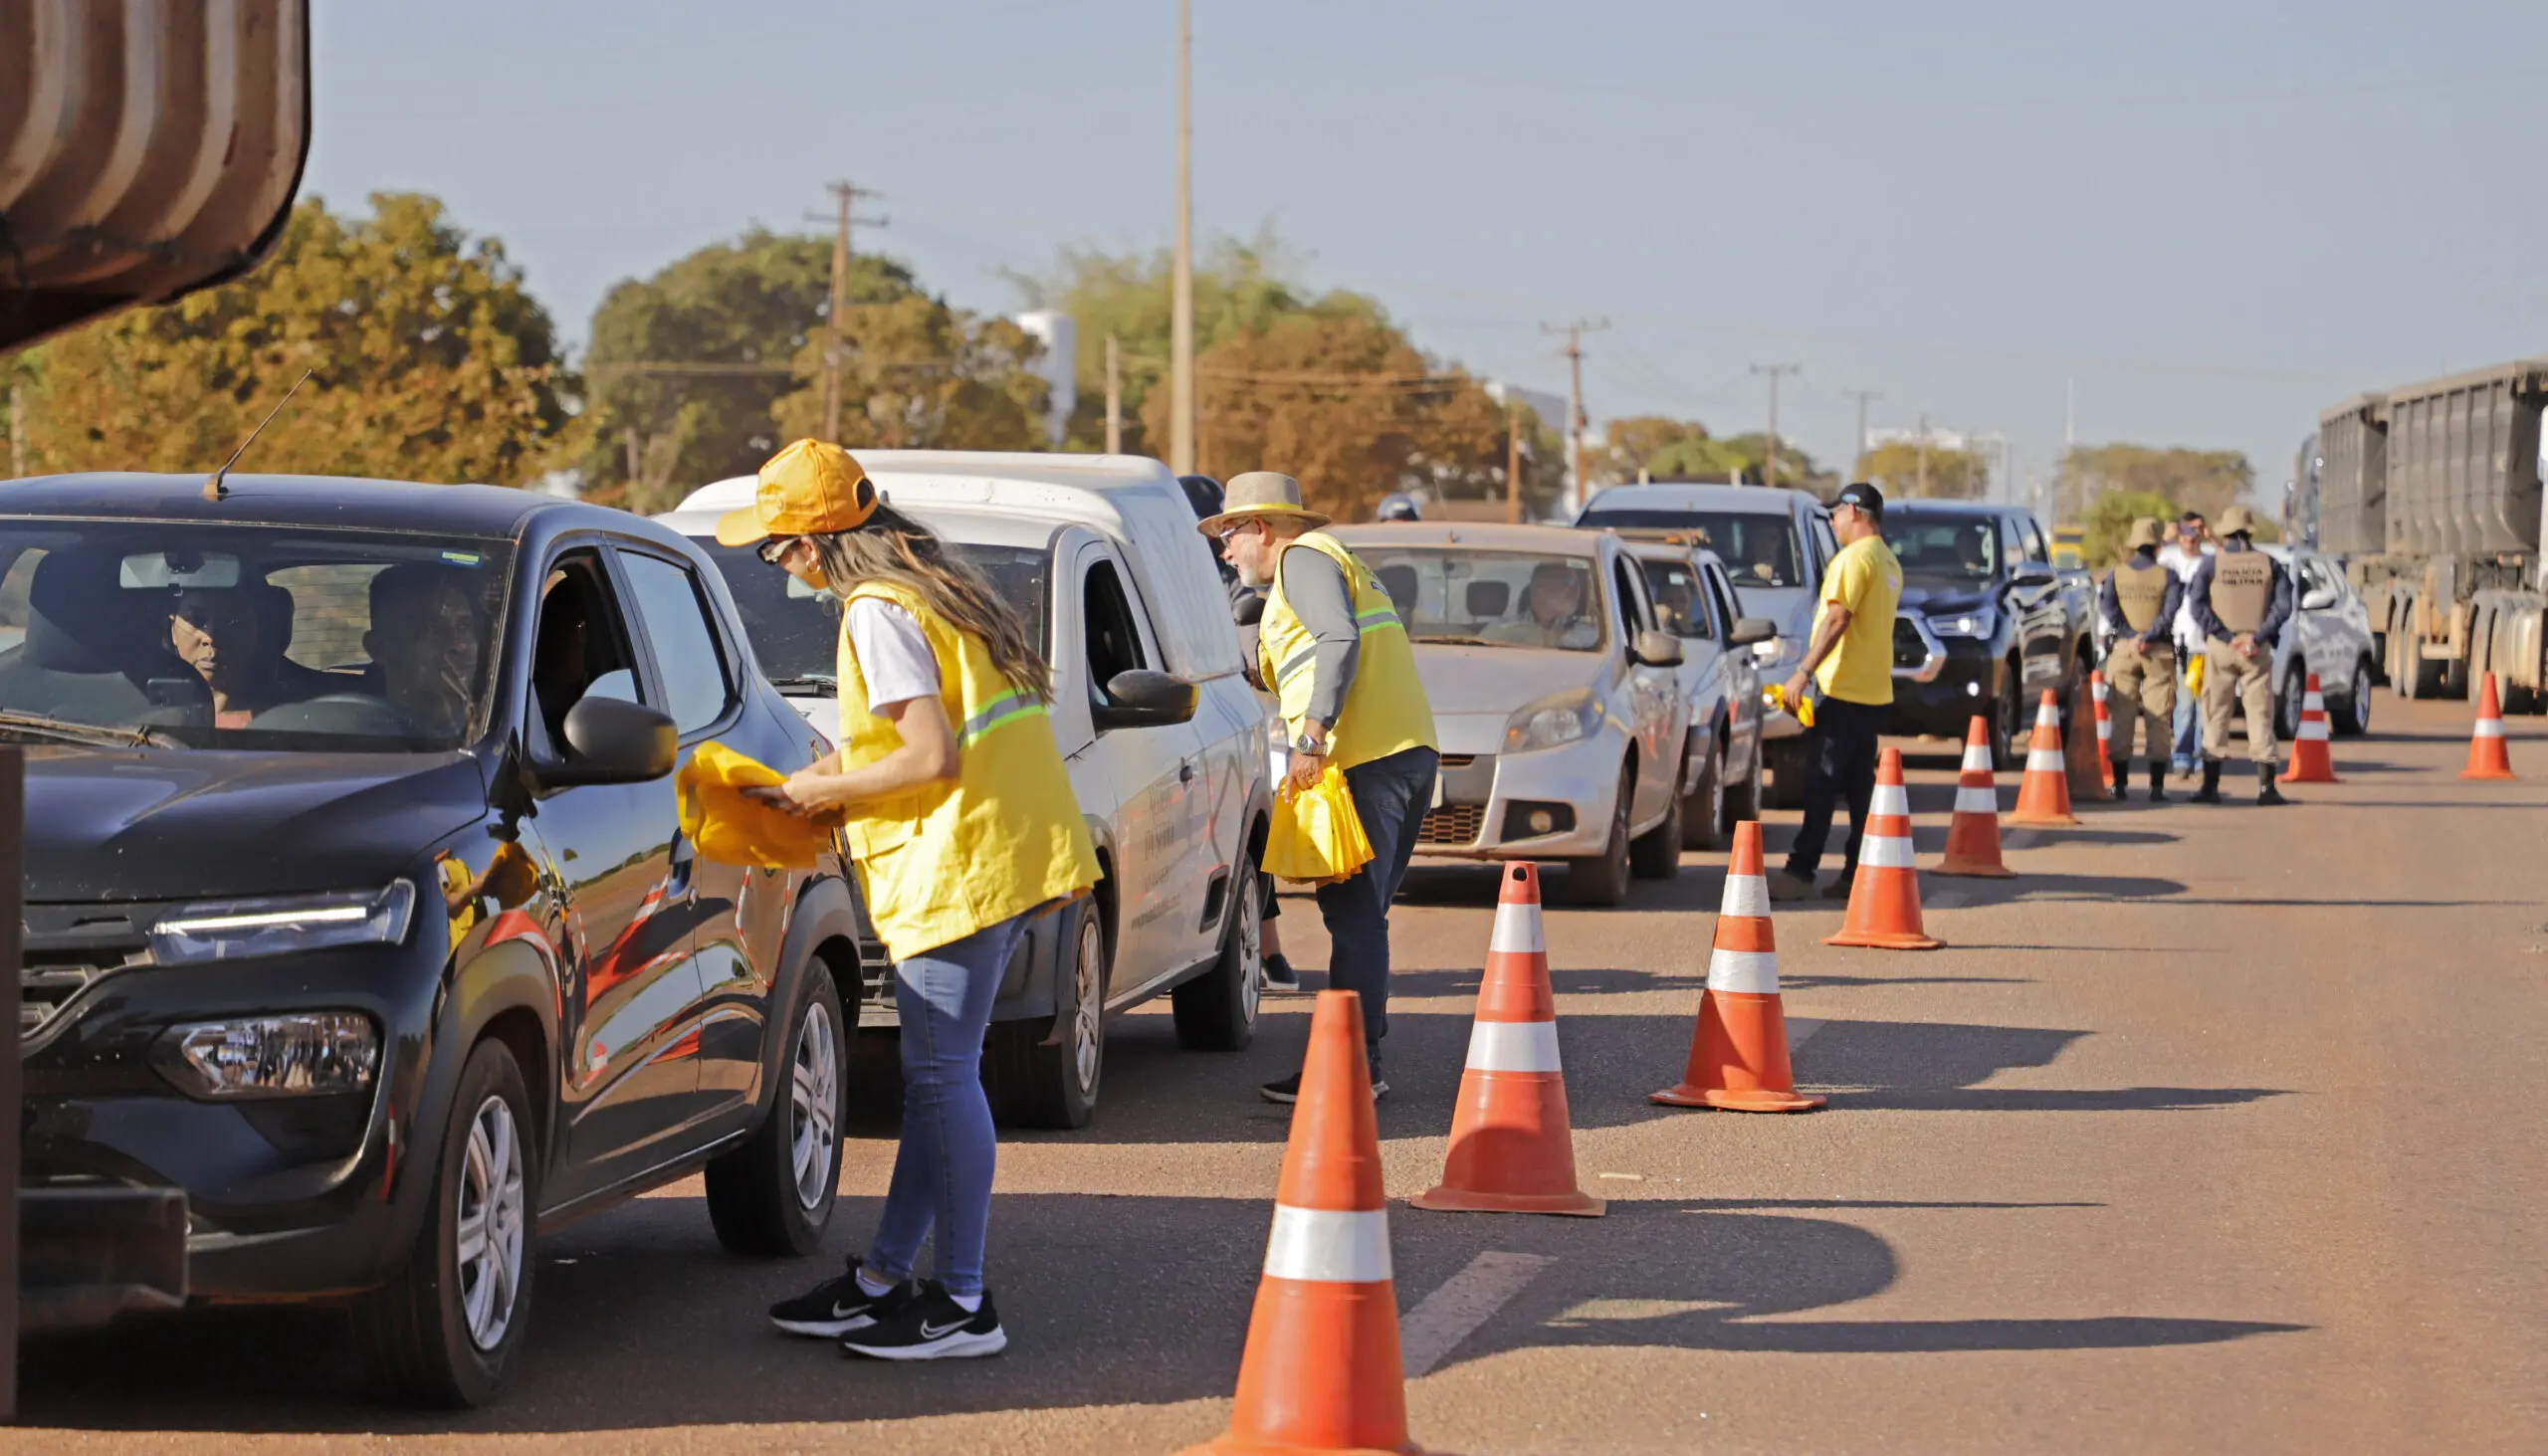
point(1057, 366)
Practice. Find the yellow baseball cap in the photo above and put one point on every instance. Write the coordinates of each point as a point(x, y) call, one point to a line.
point(808, 489)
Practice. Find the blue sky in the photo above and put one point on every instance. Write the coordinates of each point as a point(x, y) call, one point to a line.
point(2215, 217)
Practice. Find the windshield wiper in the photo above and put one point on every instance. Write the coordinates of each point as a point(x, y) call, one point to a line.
point(71, 731)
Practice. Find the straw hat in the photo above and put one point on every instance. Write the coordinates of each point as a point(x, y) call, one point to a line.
point(1260, 492)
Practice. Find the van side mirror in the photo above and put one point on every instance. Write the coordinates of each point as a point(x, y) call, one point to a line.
point(1140, 698)
point(1656, 650)
point(1748, 630)
point(613, 740)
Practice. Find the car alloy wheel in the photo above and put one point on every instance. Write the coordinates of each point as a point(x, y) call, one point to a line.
point(1251, 947)
point(489, 1223)
point(1088, 1005)
point(813, 1105)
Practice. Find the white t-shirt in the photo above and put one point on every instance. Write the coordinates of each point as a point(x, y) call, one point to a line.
point(2185, 563)
point(893, 654)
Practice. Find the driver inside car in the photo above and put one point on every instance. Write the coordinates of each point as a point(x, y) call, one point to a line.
point(425, 639)
point(1551, 611)
point(223, 635)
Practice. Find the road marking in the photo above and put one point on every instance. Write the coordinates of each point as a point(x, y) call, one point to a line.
point(1468, 1299)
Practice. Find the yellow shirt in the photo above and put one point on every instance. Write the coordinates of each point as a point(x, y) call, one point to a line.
point(1867, 580)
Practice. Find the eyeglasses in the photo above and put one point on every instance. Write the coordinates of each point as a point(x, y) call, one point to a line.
point(1234, 528)
point(774, 550)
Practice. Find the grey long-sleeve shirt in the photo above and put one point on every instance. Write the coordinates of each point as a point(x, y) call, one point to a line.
point(1315, 586)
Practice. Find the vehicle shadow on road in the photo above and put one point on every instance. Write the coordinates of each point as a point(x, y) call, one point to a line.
point(2092, 833)
point(1924, 1066)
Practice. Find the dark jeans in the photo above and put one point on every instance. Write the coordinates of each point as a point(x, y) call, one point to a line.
point(1839, 763)
point(1390, 797)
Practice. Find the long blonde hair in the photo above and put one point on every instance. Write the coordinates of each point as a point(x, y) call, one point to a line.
point(894, 549)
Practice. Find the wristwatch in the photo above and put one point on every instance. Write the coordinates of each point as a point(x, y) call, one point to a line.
point(1308, 747)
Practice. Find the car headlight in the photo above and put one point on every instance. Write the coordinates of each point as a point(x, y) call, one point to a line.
point(311, 1054)
point(1970, 624)
point(228, 930)
point(1561, 718)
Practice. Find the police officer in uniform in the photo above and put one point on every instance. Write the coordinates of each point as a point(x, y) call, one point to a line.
point(2241, 599)
point(2140, 599)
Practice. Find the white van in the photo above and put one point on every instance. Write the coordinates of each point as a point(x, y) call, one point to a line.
point(1170, 771)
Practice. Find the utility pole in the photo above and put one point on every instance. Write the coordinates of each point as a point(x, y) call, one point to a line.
point(1576, 418)
point(1181, 324)
point(1114, 397)
point(1923, 488)
point(1770, 470)
point(1857, 462)
point(1512, 462)
point(846, 196)
point(17, 429)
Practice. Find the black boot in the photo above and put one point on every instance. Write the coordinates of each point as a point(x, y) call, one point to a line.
point(2210, 793)
point(2122, 771)
point(2266, 793)
point(2158, 780)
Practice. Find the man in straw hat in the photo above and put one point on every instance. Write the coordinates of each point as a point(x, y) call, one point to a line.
point(1330, 646)
point(2241, 599)
point(2139, 602)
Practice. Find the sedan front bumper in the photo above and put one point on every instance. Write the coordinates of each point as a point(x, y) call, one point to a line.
point(1491, 803)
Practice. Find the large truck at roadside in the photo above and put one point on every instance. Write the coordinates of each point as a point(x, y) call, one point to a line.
point(2431, 495)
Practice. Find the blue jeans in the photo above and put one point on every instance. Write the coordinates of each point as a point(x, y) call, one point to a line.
point(1390, 797)
point(942, 1170)
point(2189, 717)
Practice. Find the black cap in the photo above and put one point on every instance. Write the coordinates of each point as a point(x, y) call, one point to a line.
point(1864, 495)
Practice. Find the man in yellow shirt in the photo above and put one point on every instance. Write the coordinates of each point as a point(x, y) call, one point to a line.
point(1850, 659)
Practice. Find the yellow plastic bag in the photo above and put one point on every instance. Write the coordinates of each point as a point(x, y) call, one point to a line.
point(731, 829)
point(1316, 836)
point(2194, 675)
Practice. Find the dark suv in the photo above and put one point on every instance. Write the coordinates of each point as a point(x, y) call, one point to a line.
point(1977, 582)
point(358, 909)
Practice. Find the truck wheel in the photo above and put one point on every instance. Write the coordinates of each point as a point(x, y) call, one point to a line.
point(2350, 716)
point(1036, 1085)
point(445, 1330)
point(2423, 677)
point(1785, 759)
point(1703, 809)
point(2459, 684)
point(772, 1197)
point(1603, 879)
point(1656, 853)
point(1216, 1011)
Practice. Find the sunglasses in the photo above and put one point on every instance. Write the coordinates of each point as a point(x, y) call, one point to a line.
point(776, 547)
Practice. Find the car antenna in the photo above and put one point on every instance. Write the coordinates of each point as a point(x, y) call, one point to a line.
point(218, 486)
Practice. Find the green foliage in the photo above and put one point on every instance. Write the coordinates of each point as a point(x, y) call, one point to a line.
point(1658, 448)
point(1903, 469)
point(2196, 480)
point(2110, 518)
point(917, 374)
point(431, 362)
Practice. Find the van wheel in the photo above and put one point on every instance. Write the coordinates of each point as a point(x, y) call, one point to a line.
point(1216, 1011)
point(772, 1197)
point(1036, 1085)
point(1703, 810)
point(1656, 853)
point(1603, 879)
point(445, 1330)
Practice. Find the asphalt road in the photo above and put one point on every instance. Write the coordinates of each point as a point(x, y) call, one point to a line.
point(2219, 1130)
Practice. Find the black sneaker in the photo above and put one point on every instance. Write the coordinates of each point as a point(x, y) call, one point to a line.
point(1288, 1090)
point(1280, 977)
point(833, 1308)
point(926, 1322)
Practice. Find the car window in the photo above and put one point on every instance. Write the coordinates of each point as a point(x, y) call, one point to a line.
point(1635, 613)
point(2315, 576)
point(1113, 636)
point(1947, 547)
point(1760, 547)
point(796, 629)
point(697, 682)
point(1727, 603)
point(1486, 598)
point(2034, 533)
point(1826, 545)
point(582, 648)
point(1680, 597)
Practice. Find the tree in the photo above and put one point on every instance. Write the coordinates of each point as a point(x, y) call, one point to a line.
point(2196, 480)
point(1902, 468)
point(428, 358)
point(2110, 518)
point(1659, 448)
point(918, 374)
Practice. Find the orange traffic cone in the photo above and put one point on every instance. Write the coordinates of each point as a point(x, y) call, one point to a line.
point(2043, 795)
point(1884, 900)
point(2310, 762)
point(1739, 1054)
point(2105, 732)
point(2487, 757)
point(1512, 1149)
point(1321, 1370)
point(1972, 835)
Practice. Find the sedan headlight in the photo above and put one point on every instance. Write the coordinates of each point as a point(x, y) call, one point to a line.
point(1560, 717)
point(1970, 624)
point(275, 1056)
point(228, 930)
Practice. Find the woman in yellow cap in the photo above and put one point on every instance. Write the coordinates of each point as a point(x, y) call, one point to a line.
point(962, 828)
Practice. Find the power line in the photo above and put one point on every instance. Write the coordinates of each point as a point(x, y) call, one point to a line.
point(1575, 417)
point(1770, 472)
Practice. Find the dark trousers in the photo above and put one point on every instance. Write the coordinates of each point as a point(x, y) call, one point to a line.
point(1390, 797)
point(1839, 763)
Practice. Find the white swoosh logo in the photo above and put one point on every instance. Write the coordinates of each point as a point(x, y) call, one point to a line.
point(939, 1332)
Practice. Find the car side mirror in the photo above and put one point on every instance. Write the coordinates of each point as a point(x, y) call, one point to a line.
point(1250, 610)
point(2032, 574)
point(1656, 650)
point(613, 740)
point(2318, 600)
point(1766, 651)
point(1749, 630)
point(1145, 698)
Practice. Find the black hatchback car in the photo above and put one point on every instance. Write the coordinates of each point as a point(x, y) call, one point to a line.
point(357, 904)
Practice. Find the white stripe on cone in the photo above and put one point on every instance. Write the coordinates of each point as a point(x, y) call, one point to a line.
point(2105, 729)
point(1744, 972)
point(2045, 761)
point(1513, 1046)
point(2490, 727)
point(1329, 1245)
point(1747, 895)
point(1976, 758)
point(2310, 702)
point(1891, 799)
point(1888, 852)
point(2048, 716)
point(1977, 800)
point(1516, 930)
point(2313, 727)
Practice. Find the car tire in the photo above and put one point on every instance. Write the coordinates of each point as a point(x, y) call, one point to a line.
point(1784, 759)
point(428, 1337)
point(1603, 879)
point(1055, 1086)
point(1656, 853)
point(1702, 813)
point(772, 1197)
point(2007, 712)
point(2288, 706)
point(2350, 716)
point(1216, 1011)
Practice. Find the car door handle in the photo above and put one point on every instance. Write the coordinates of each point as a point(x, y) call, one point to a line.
point(1185, 771)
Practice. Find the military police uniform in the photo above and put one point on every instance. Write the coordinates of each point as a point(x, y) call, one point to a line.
point(2239, 591)
point(2140, 600)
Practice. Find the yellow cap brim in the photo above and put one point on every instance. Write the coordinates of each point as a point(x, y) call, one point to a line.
point(740, 528)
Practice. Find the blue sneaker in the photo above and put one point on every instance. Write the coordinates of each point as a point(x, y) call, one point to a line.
point(1280, 978)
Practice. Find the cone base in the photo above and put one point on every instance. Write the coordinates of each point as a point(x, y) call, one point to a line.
point(1467, 1200)
point(2309, 778)
point(1976, 869)
point(1762, 1099)
point(2044, 821)
point(2480, 774)
point(1233, 1446)
point(1886, 941)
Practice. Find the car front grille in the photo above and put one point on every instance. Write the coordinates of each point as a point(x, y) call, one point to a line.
point(1452, 825)
point(69, 946)
point(1908, 650)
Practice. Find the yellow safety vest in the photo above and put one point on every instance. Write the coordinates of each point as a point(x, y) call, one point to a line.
point(1385, 710)
point(940, 861)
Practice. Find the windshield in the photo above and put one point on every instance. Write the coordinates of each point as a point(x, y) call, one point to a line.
point(1496, 598)
point(1680, 597)
point(795, 632)
point(1945, 547)
point(259, 637)
point(1758, 548)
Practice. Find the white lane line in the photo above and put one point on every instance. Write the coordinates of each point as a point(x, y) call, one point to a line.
point(1468, 1299)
